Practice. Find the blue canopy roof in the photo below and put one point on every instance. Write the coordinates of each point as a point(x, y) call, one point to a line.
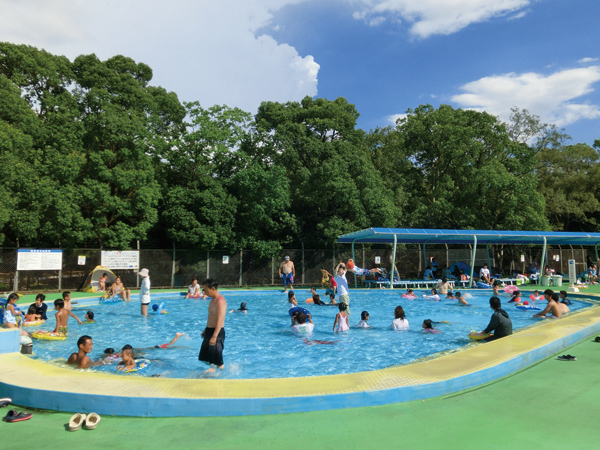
point(420, 236)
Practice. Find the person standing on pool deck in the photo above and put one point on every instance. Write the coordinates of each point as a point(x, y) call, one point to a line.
point(144, 291)
point(342, 282)
point(214, 333)
point(287, 272)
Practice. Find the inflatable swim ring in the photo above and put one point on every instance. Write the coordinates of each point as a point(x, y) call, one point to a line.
point(409, 296)
point(478, 337)
point(31, 323)
point(310, 300)
point(140, 366)
point(481, 285)
point(534, 298)
point(116, 298)
point(48, 336)
point(511, 288)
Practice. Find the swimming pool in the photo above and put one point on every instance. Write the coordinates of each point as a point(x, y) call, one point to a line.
point(260, 345)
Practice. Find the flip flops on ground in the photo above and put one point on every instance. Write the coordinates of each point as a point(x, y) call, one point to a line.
point(91, 421)
point(567, 358)
point(76, 421)
point(597, 339)
point(14, 416)
point(5, 402)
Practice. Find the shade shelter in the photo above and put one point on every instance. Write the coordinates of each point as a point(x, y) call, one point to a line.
point(394, 236)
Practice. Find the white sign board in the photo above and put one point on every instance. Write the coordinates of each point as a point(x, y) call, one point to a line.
point(81, 260)
point(378, 260)
point(128, 259)
point(225, 259)
point(39, 259)
point(572, 272)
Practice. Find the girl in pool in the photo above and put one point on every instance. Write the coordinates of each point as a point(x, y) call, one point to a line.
point(341, 319)
point(536, 296)
point(292, 299)
point(364, 318)
point(428, 327)
point(399, 323)
point(496, 288)
point(516, 297)
point(449, 296)
point(31, 316)
point(410, 294)
point(434, 295)
point(461, 299)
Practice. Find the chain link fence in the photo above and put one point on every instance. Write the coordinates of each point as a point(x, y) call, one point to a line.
point(175, 268)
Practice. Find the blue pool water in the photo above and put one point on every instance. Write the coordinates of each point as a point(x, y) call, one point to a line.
point(259, 344)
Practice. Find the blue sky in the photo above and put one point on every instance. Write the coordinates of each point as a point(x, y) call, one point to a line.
point(385, 56)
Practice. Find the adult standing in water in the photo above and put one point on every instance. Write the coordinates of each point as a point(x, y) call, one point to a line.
point(144, 291)
point(214, 333)
point(287, 272)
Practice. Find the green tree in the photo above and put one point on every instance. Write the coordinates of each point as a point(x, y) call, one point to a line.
point(569, 181)
point(334, 187)
point(126, 124)
point(466, 172)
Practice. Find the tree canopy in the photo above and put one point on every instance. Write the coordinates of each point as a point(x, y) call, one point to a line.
point(92, 154)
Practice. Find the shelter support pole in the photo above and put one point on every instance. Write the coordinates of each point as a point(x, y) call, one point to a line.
point(393, 262)
point(424, 254)
point(473, 261)
point(596, 250)
point(487, 251)
point(542, 272)
point(354, 259)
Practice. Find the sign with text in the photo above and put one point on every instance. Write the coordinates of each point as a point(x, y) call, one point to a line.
point(127, 259)
point(39, 259)
point(572, 272)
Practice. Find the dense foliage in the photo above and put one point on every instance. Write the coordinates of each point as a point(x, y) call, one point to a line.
point(91, 154)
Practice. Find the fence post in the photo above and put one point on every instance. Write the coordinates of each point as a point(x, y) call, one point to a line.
point(173, 267)
point(16, 281)
point(207, 264)
point(302, 262)
point(241, 265)
point(272, 270)
point(137, 278)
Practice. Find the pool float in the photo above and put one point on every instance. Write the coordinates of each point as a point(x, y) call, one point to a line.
point(140, 366)
point(528, 308)
point(409, 296)
point(87, 322)
point(48, 336)
point(481, 285)
point(32, 323)
point(310, 300)
point(193, 296)
point(299, 309)
point(478, 337)
point(511, 288)
point(158, 309)
point(534, 298)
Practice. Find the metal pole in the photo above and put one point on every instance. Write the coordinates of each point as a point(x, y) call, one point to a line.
point(354, 259)
point(272, 270)
point(207, 264)
point(241, 267)
point(542, 272)
point(473, 261)
point(302, 262)
point(173, 266)
point(393, 262)
point(137, 279)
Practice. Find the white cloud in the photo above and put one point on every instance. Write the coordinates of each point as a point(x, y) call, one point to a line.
point(587, 60)
point(552, 97)
point(430, 17)
point(395, 118)
point(212, 55)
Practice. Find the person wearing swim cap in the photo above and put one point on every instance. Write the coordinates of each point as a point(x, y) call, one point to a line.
point(243, 308)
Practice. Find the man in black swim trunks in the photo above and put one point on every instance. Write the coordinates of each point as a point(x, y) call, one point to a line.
point(214, 333)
